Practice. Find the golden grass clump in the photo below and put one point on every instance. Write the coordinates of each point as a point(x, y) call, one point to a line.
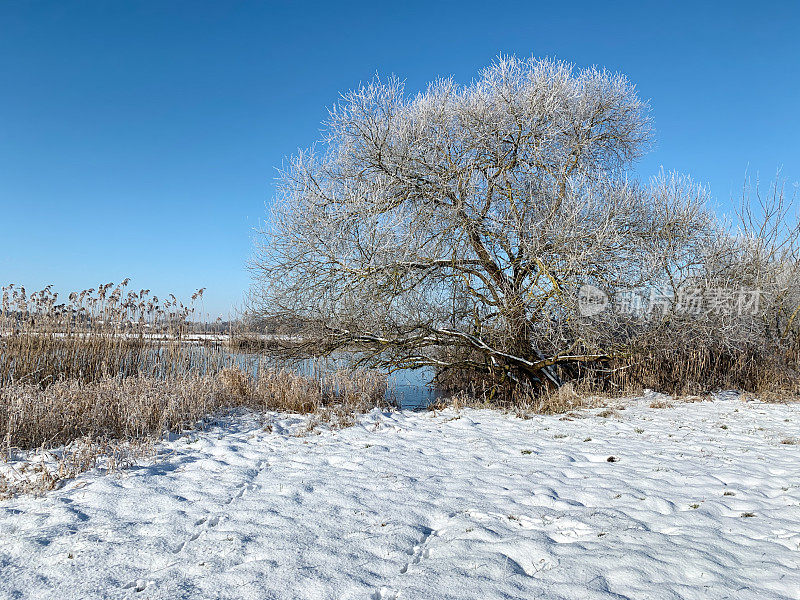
point(235, 383)
point(139, 407)
point(525, 401)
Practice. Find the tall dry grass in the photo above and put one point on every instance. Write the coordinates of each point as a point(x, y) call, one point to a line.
point(112, 369)
point(699, 369)
point(137, 407)
point(97, 333)
point(670, 365)
point(115, 421)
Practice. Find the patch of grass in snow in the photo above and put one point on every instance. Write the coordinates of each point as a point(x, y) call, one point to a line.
point(111, 420)
point(526, 402)
point(777, 392)
point(44, 470)
point(143, 407)
point(660, 404)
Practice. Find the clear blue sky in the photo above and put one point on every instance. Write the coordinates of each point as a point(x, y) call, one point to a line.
point(141, 138)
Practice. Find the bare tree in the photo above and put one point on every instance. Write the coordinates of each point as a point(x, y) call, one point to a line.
point(762, 254)
point(454, 228)
point(726, 309)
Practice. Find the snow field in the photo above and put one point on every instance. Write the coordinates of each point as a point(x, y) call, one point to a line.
point(462, 505)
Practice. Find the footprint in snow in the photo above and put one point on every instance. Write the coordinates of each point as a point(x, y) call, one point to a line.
point(137, 586)
point(209, 522)
point(385, 594)
point(420, 550)
point(243, 488)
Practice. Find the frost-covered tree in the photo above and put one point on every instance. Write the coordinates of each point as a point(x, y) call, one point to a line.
point(454, 227)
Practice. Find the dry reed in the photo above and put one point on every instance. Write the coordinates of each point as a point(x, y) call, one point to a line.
point(96, 334)
point(104, 375)
point(137, 407)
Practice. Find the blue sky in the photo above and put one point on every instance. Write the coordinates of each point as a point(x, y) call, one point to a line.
point(141, 138)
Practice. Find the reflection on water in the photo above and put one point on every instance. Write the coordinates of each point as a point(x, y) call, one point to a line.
point(413, 388)
point(410, 387)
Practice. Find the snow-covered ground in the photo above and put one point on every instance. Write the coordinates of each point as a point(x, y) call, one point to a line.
point(470, 504)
